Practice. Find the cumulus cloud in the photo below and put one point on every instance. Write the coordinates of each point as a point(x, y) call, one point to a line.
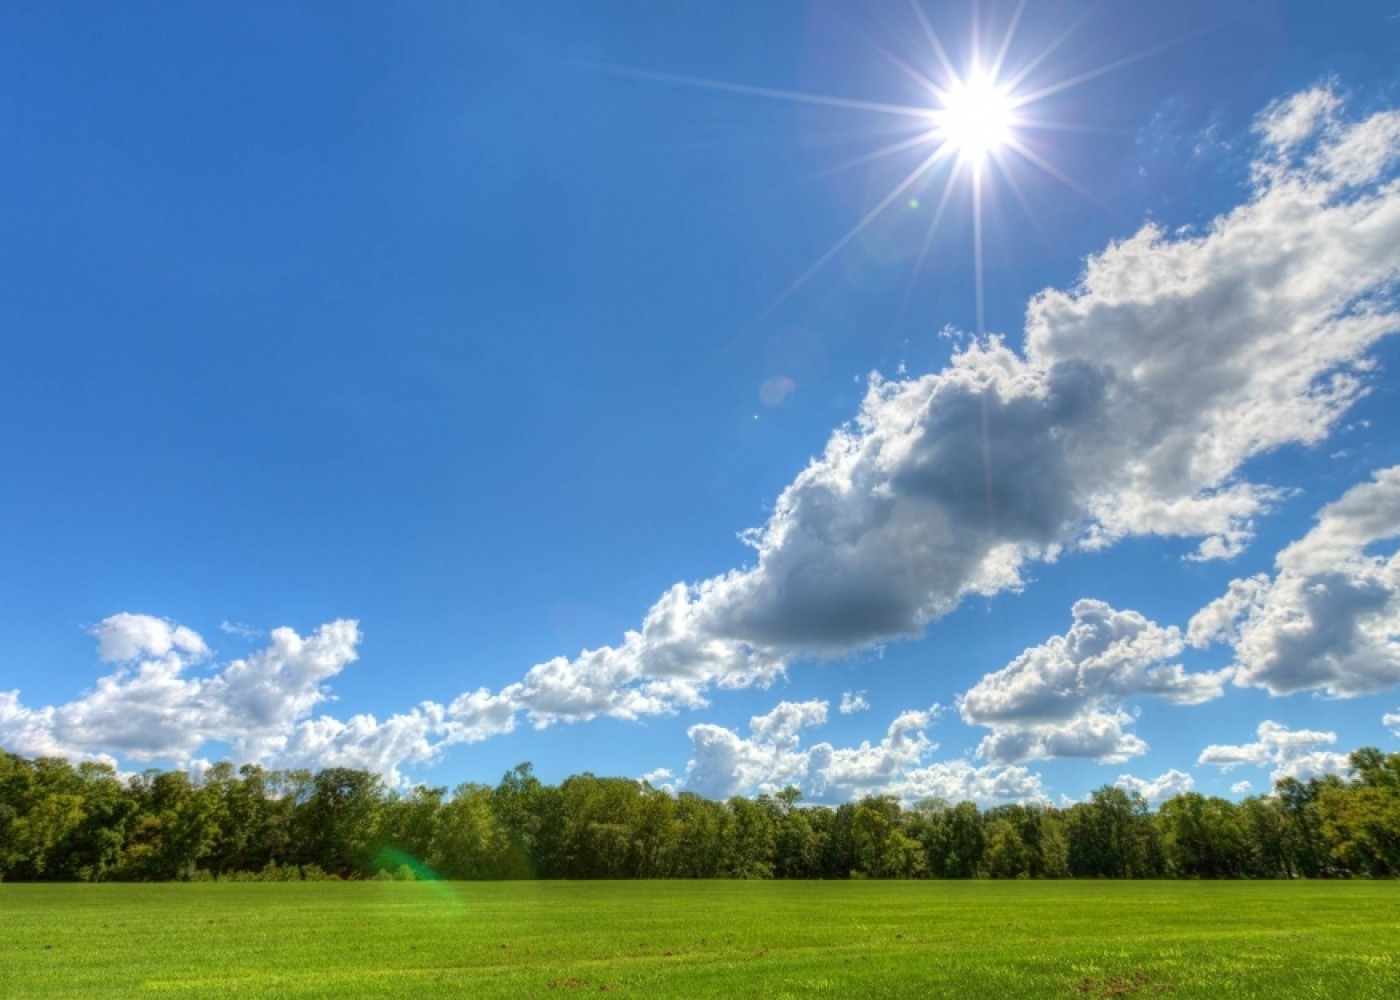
point(783, 724)
point(150, 707)
point(1160, 788)
point(1329, 619)
point(1391, 719)
point(724, 763)
point(853, 701)
point(1290, 121)
point(262, 706)
point(125, 638)
point(363, 743)
point(1293, 753)
point(1136, 399)
point(1101, 736)
point(661, 668)
point(1242, 788)
point(1063, 697)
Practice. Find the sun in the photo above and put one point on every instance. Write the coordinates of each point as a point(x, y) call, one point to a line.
point(975, 126)
point(977, 118)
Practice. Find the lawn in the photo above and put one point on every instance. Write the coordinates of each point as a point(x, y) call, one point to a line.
point(1002, 940)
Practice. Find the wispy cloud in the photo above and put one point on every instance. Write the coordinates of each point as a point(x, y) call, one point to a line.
point(853, 701)
point(240, 630)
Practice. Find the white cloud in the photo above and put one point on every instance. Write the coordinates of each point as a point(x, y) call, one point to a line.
point(1101, 736)
point(656, 671)
point(853, 701)
point(261, 706)
point(1329, 619)
point(1391, 719)
point(1158, 789)
point(29, 732)
point(1063, 697)
point(1242, 788)
point(783, 724)
point(241, 630)
point(125, 638)
point(960, 781)
point(149, 708)
point(1293, 120)
point(1294, 753)
point(1139, 395)
point(723, 763)
point(363, 743)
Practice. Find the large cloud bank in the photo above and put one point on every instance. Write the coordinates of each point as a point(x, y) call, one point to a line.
point(1137, 398)
point(1130, 409)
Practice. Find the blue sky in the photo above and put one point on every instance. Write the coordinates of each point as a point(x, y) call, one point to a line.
point(363, 365)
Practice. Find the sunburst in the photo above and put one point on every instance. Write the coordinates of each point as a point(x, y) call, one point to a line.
point(972, 126)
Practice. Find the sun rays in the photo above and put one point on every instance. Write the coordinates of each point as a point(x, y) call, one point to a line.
point(965, 132)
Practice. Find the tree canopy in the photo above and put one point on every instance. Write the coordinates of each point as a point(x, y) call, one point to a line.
point(65, 822)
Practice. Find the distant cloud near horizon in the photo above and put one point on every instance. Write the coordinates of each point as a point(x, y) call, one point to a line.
point(1160, 788)
point(1295, 753)
point(1063, 698)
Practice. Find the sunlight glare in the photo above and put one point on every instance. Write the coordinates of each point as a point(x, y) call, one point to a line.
point(976, 118)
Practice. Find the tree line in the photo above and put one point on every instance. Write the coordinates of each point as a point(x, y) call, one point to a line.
point(65, 822)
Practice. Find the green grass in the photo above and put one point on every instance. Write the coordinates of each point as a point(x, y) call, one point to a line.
point(702, 939)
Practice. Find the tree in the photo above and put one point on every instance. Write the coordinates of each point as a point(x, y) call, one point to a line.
point(1302, 834)
point(797, 851)
point(1360, 823)
point(699, 849)
point(1112, 836)
point(1202, 837)
point(1268, 855)
point(336, 826)
point(749, 840)
point(407, 826)
point(883, 849)
point(519, 804)
point(468, 841)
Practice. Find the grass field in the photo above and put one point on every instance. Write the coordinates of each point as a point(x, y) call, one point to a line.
point(702, 939)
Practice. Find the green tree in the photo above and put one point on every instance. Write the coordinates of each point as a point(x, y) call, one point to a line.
point(883, 849)
point(699, 851)
point(749, 839)
point(335, 828)
point(468, 841)
point(1112, 836)
point(1202, 837)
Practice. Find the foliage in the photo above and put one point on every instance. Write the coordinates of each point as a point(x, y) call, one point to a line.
point(59, 822)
